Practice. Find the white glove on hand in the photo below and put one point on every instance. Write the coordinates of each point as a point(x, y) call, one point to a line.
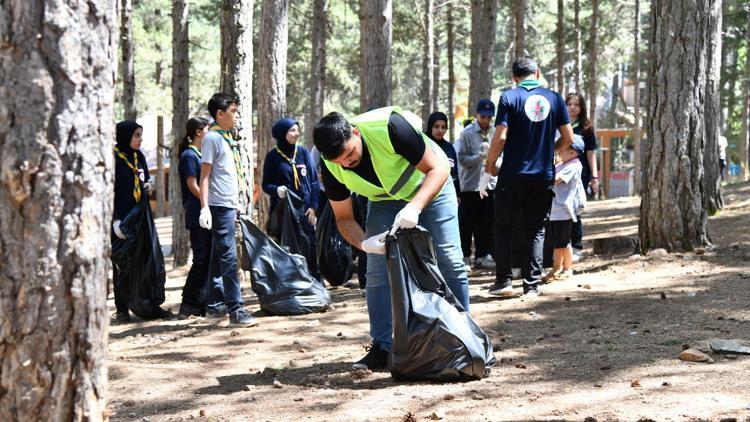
point(407, 218)
point(281, 191)
point(485, 149)
point(484, 183)
point(375, 244)
point(118, 232)
point(204, 219)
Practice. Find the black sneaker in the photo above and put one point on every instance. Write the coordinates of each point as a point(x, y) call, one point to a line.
point(242, 317)
point(187, 311)
point(161, 313)
point(122, 317)
point(375, 358)
point(218, 310)
point(501, 289)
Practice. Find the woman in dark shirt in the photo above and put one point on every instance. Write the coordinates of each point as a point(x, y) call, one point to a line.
point(437, 126)
point(194, 292)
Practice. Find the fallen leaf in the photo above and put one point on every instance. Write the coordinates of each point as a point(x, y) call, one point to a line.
point(635, 382)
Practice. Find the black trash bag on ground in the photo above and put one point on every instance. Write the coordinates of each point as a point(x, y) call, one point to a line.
point(334, 254)
point(140, 262)
point(286, 226)
point(281, 280)
point(433, 337)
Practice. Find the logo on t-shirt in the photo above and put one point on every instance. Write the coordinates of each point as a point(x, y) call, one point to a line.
point(536, 108)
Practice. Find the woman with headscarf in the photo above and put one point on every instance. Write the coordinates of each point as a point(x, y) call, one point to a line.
point(131, 189)
point(437, 126)
point(289, 167)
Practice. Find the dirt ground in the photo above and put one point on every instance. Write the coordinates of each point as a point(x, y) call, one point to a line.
point(603, 344)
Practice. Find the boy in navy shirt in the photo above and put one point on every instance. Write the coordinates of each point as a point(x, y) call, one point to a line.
point(528, 117)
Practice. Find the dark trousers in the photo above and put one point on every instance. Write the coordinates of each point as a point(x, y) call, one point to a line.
point(476, 218)
point(120, 304)
point(360, 216)
point(533, 200)
point(223, 268)
point(194, 293)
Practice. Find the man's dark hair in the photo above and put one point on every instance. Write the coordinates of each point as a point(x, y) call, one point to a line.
point(330, 134)
point(524, 66)
point(221, 101)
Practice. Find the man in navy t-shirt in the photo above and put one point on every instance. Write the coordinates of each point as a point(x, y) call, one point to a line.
point(528, 117)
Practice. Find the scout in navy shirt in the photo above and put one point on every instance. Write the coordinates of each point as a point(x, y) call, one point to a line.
point(528, 117)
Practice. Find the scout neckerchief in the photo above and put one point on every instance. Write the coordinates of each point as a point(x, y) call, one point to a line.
point(235, 152)
point(529, 84)
point(574, 124)
point(293, 163)
point(195, 148)
point(136, 173)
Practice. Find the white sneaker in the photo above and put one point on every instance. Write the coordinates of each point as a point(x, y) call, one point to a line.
point(530, 295)
point(467, 264)
point(486, 262)
point(515, 273)
point(576, 255)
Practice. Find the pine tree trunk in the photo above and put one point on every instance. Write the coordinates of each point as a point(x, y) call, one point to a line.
point(435, 69)
point(127, 69)
point(237, 79)
point(637, 98)
point(593, 76)
point(672, 214)
point(428, 59)
point(712, 200)
point(56, 133)
point(483, 28)
point(519, 14)
point(274, 39)
point(159, 176)
point(578, 53)
point(317, 68)
point(375, 34)
point(451, 72)
point(745, 133)
point(180, 116)
point(561, 47)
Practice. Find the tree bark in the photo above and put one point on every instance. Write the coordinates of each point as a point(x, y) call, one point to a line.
point(159, 176)
point(375, 35)
point(593, 76)
point(56, 138)
point(519, 14)
point(317, 68)
point(180, 116)
point(483, 28)
point(745, 132)
point(712, 200)
point(237, 79)
point(451, 72)
point(578, 53)
point(274, 38)
point(561, 47)
point(428, 60)
point(435, 68)
point(637, 98)
point(672, 214)
point(127, 68)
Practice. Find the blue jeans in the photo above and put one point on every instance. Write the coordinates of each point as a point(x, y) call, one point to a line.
point(226, 284)
point(440, 218)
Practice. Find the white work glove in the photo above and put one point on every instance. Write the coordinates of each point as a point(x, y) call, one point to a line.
point(281, 191)
point(375, 244)
point(484, 183)
point(407, 218)
point(485, 149)
point(204, 219)
point(118, 232)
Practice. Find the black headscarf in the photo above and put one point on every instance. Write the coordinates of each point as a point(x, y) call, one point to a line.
point(279, 131)
point(434, 117)
point(124, 134)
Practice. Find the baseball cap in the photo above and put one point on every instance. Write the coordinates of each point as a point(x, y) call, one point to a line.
point(578, 144)
point(486, 107)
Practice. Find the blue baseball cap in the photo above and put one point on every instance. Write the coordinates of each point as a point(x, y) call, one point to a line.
point(578, 144)
point(486, 107)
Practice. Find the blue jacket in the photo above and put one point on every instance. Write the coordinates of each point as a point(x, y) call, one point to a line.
point(277, 171)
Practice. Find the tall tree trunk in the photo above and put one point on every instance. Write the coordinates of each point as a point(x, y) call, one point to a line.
point(159, 177)
point(519, 14)
point(375, 34)
point(593, 76)
point(451, 73)
point(127, 69)
point(318, 67)
point(435, 69)
point(712, 200)
point(237, 79)
point(561, 47)
point(428, 60)
point(483, 28)
point(274, 37)
point(745, 133)
point(672, 214)
point(56, 138)
point(637, 98)
point(180, 116)
point(579, 53)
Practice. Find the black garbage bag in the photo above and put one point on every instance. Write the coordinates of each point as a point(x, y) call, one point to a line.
point(140, 262)
point(334, 254)
point(288, 226)
point(280, 279)
point(433, 337)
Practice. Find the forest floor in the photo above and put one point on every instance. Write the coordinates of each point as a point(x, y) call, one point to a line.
point(603, 344)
